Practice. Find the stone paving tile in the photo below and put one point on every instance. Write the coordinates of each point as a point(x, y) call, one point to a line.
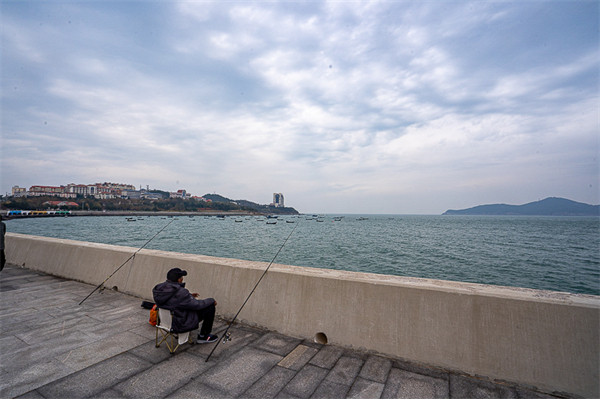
point(276, 343)
point(421, 369)
point(527, 394)
point(57, 347)
point(465, 387)
point(109, 394)
point(30, 319)
point(44, 331)
point(327, 357)
point(88, 355)
point(114, 313)
point(305, 382)
point(31, 395)
point(197, 390)
point(330, 390)
point(164, 378)
point(270, 384)
point(145, 330)
point(95, 379)
point(241, 336)
point(101, 331)
point(365, 389)
point(345, 371)
point(376, 368)
point(31, 377)
point(236, 374)
point(405, 384)
point(297, 358)
point(10, 345)
point(152, 354)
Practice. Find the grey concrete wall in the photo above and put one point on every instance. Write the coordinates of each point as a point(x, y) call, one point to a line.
point(545, 339)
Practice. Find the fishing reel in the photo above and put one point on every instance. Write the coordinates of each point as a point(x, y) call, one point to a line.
point(226, 338)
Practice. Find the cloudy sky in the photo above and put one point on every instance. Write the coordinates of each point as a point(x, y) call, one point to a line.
point(344, 107)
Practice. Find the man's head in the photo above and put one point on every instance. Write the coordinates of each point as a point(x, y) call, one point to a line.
point(176, 274)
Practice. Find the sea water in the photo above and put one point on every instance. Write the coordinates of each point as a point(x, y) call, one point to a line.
point(549, 253)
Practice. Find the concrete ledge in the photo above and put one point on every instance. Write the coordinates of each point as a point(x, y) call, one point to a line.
point(545, 339)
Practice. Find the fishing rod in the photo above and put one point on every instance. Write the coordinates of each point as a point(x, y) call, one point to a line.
point(124, 263)
point(226, 336)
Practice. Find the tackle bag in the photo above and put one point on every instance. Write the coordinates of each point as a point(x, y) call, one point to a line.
point(153, 315)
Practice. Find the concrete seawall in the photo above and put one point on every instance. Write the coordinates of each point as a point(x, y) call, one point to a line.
point(545, 339)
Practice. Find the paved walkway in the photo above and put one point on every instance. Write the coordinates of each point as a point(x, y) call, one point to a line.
point(53, 348)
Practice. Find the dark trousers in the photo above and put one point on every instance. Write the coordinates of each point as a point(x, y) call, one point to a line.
point(3, 258)
point(208, 315)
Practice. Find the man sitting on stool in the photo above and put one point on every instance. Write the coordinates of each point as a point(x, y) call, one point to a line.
point(188, 311)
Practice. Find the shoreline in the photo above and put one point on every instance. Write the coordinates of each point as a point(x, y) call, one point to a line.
point(5, 216)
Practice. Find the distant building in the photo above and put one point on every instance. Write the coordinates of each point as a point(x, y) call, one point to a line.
point(278, 200)
point(19, 191)
point(131, 194)
point(77, 189)
point(60, 203)
point(39, 191)
point(151, 196)
point(99, 190)
point(180, 194)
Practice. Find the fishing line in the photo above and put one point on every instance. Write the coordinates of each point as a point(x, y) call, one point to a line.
point(227, 337)
point(124, 263)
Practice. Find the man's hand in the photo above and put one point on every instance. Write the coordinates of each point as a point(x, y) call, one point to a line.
point(195, 295)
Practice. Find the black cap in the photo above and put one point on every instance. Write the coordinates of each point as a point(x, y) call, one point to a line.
point(176, 274)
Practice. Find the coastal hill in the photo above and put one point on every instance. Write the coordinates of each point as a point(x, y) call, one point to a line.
point(547, 207)
point(252, 205)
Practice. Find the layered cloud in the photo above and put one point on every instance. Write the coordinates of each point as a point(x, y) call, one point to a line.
point(390, 107)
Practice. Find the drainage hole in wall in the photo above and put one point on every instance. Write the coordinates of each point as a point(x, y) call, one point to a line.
point(321, 338)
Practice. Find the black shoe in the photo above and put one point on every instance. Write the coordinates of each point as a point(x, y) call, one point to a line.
point(206, 339)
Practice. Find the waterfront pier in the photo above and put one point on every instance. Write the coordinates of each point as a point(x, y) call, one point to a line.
point(105, 348)
point(466, 340)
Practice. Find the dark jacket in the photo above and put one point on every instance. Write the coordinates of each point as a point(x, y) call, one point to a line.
point(175, 297)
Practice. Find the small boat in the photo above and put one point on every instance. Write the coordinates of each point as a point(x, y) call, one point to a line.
point(290, 221)
point(272, 222)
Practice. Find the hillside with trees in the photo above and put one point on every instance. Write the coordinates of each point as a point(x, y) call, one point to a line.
point(252, 205)
point(119, 204)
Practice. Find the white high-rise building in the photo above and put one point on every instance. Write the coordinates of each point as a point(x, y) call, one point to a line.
point(278, 200)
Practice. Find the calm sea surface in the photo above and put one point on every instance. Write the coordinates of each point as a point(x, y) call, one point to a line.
point(550, 253)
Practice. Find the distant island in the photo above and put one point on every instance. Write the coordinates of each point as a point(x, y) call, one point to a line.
point(547, 207)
